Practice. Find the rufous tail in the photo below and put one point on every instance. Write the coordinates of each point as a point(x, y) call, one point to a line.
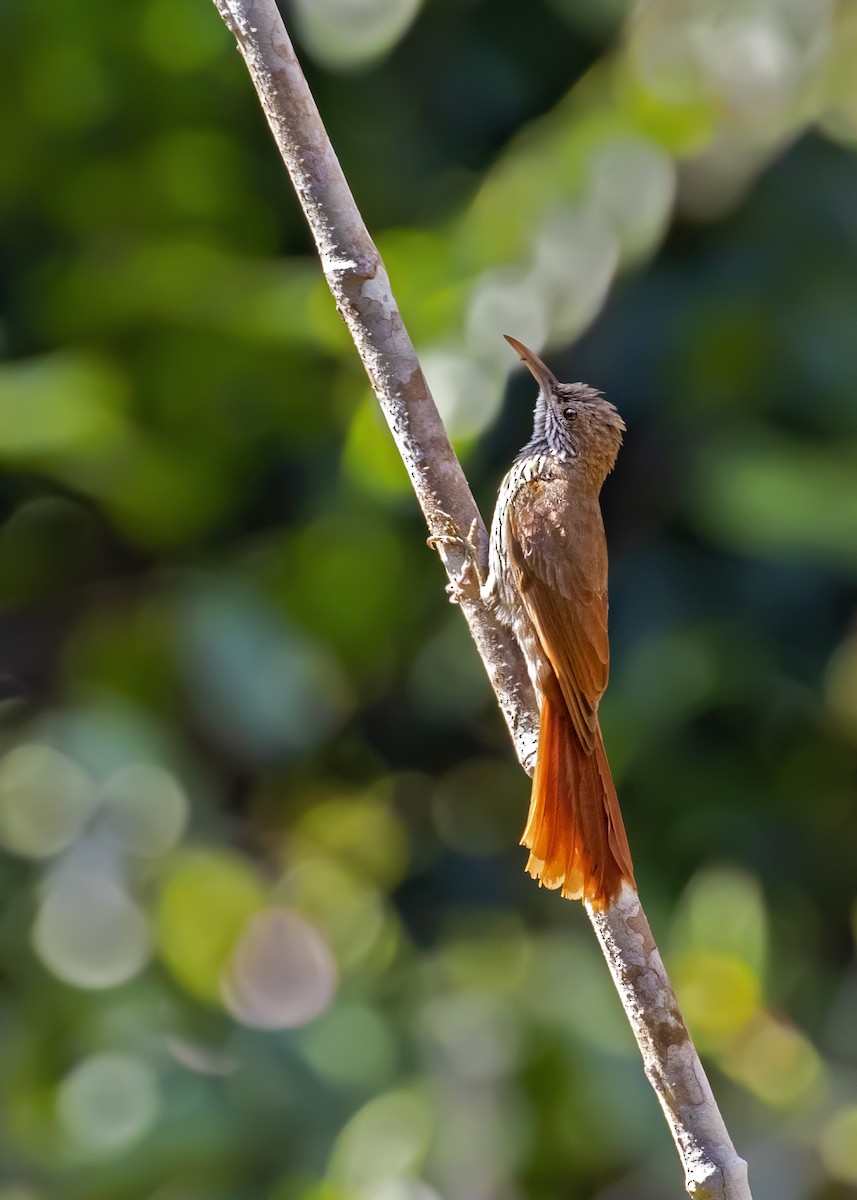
point(575, 833)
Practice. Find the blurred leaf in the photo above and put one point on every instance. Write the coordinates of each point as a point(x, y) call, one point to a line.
point(384, 1142)
point(839, 1145)
point(718, 994)
point(723, 911)
point(59, 408)
point(485, 952)
point(364, 935)
point(350, 1045)
point(777, 1063)
point(45, 800)
point(206, 898)
point(362, 832)
point(774, 496)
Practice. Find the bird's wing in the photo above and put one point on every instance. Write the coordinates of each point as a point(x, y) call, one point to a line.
point(558, 554)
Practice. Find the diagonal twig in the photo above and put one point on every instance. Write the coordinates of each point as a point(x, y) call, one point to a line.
point(360, 286)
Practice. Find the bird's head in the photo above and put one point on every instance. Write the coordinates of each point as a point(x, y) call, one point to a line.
point(573, 419)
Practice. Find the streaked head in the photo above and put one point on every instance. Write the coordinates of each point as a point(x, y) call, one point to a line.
point(573, 418)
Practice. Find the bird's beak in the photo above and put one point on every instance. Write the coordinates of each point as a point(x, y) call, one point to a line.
point(543, 376)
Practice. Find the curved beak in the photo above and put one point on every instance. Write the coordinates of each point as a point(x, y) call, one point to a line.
point(543, 376)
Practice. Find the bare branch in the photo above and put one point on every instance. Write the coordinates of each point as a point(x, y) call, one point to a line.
point(712, 1167)
point(361, 289)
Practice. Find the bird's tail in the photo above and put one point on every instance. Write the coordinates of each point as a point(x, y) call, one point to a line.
point(575, 833)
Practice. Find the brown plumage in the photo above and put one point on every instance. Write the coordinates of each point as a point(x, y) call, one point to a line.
point(548, 581)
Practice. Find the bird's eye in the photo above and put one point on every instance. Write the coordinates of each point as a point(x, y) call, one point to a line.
point(570, 414)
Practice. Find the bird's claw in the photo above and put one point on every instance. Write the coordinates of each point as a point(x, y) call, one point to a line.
point(469, 545)
point(444, 539)
point(458, 589)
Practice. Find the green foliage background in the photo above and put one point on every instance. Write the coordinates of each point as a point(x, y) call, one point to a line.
point(265, 929)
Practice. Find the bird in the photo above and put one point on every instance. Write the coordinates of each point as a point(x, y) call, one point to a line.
point(547, 582)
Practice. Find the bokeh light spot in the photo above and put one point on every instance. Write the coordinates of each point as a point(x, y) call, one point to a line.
point(45, 800)
point(723, 910)
point(505, 300)
point(749, 60)
point(60, 406)
point(383, 1143)
point(350, 33)
point(718, 994)
point(478, 1035)
point(205, 902)
point(108, 1102)
point(466, 394)
point(361, 832)
point(145, 808)
point(841, 687)
point(404, 1189)
point(774, 496)
point(633, 184)
point(350, 1045)
point(479, 807)
point(199, 1058)
point(839, 1145)
point(89, 932)
point(281, 974)
point(576, 256)
point(776, 1062)
point(448, 681)
point(351, 913)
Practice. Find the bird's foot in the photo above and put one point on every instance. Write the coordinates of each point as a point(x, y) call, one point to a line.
point(461, 586)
